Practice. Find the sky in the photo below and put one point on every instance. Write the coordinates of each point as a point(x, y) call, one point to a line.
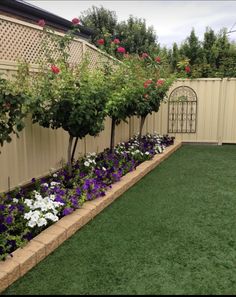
point(171, 20)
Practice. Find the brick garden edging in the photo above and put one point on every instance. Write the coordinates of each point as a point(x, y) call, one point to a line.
point(47, 241)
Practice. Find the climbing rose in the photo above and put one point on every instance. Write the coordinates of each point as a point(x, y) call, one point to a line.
point(187, 69)
point(41, 23)
point(121, 50)
point(101, 41)
point(147, 83)
point(75, 21)
point(55, 69)
point(160, 82)
point(145, 55)
point(158, 59)
point(116, 41)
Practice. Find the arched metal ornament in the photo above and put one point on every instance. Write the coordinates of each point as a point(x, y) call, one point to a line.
point(182, 110)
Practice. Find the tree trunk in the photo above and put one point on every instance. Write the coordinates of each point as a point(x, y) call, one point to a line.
point(113, 128)
point(69, 154)
point(143, 118)
point(74, 149)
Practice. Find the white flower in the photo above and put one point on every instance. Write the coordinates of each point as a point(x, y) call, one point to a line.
point(52, 217)
point(31, 224)
point(54, 175)
point(15, 200)
point(45, 185)
point(86, 163)
point(35, 215)
point(28, 202)
point(103, 168)
point(28, 215)
point(54, 183)
point(42, 222)
point(147, 153)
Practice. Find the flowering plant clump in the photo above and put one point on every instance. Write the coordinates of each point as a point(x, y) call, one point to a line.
point(25, 213)
point(12, 110)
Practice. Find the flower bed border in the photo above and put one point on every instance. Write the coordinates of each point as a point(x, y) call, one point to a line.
point(24, 259)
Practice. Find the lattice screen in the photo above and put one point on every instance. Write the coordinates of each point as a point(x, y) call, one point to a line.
point(19, 42)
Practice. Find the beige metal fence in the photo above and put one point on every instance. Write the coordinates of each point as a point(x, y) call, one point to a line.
point(38, 149)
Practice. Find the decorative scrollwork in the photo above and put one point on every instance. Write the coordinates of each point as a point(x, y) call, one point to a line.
point(182, 110)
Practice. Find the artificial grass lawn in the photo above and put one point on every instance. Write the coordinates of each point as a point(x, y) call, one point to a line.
point(172, 233)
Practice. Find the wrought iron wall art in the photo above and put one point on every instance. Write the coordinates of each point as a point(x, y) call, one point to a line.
point(182, 110)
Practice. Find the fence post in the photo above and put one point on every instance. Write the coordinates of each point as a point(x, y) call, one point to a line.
point(221, 111)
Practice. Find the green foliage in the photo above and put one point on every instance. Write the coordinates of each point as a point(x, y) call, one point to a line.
point(120, 104)
point(150, 83)
point(73, 99)
point(134, 35)
point(101, 20)
point(12, 110)
point(214, 57)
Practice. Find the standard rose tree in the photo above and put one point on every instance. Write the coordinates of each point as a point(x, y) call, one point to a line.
point(68, 97)
point(149, 84)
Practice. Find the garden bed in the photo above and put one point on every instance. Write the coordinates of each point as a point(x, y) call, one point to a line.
point(48, 240)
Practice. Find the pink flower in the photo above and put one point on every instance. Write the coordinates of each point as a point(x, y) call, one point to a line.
point(75, 21)
point(101, 41)
point(116, 41)
point(41, 23)
point(55, 69)
point(160, 82)
point(158, 59)
point(147, 83)
point(145, 55)
point(121, 50)
point(187, 69)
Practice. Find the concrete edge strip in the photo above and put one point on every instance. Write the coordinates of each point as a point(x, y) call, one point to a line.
point(24, 259)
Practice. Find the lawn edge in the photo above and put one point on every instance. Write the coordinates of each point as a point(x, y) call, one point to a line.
point(24, 259)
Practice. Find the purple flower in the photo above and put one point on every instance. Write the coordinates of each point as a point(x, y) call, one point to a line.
point(59, 199)
point(2, 207)
point(67, 211)
point(78, 191)
point(9, 220)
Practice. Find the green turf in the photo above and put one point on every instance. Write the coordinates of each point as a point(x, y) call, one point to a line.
point(172, 233)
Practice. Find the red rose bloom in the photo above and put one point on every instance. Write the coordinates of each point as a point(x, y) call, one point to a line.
point(101, 41)
point(160, 82)
point(147, 83)
point(41, 23)
point(158, 59)
point(75, 21)
point(187, 69)
point(55, 69)
point(145, 55)
point(121, 50)
point(116, 41)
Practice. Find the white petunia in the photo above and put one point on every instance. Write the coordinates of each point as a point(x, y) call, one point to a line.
point(15, 200)
point(147, 153)
point(31, 224)
point(103, 168)
point(86, 163)
point(42, 222)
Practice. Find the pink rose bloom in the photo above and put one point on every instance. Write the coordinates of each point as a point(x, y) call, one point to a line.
point(121, 50)
point(160, 82)
point(41, 23)
point(116, 41)
point(158, 59)
point(75, 21)
point(55, 69)
point(145, 55)
point(101, 41)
